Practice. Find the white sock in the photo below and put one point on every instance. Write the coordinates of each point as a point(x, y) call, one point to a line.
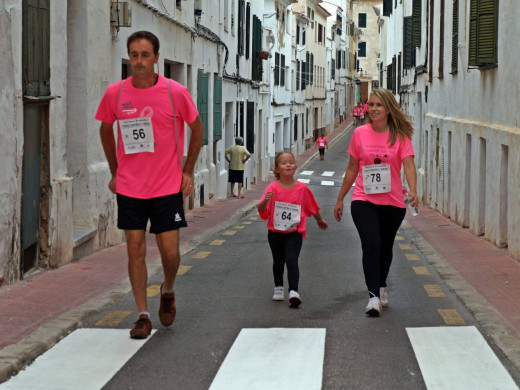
point(143, 313)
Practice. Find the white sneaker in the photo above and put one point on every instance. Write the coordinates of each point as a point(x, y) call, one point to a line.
point(383, 296)
point(278, 294)
point(294, 299)
point(374, 307)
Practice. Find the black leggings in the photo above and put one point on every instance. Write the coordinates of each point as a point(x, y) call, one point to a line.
point(377, 226)
point(285, 248)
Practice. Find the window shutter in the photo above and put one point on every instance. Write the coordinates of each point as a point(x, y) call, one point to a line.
point(416, 23)
point(202, 102)
point(407, 43)
point(36, 49)
point(483, 32)
point(455, 37)
point(256, 62)
point(487, 31)
point(389, 77)
point(217, 108)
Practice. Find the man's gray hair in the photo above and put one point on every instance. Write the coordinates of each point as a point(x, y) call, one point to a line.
point(239, 140)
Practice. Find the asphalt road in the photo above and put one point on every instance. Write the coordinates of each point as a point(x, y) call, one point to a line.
point(229, 289)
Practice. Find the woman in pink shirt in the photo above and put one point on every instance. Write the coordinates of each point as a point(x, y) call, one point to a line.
point(377, 151)
point(286, 205)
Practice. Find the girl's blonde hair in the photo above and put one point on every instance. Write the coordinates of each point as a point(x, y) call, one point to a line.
point(276, 159)
point(399, 123)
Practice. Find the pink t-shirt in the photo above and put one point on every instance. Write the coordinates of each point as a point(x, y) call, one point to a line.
point(322, 141)
point(149, 174)
point(299, 195)
point(369, 148)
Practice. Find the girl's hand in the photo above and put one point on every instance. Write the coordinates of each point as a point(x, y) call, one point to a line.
point(338, 210)
point(268, 196)
point(322, 224)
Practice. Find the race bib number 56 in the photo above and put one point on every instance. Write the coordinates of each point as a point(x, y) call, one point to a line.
point(286, 216)
point(137, 135)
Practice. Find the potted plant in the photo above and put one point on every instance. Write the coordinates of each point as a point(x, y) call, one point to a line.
point(263, 54)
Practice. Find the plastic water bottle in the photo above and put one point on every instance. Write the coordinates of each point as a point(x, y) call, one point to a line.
point(411, 208)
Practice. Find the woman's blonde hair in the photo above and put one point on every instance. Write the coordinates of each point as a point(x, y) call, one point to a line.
point(276, 159)
point(399, 123)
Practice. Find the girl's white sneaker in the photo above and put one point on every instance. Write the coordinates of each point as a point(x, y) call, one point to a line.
point(294, 299)
point(374, 307)
point(278, 294)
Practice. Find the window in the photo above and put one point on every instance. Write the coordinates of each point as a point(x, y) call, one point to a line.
point(483, 32)
point(241, 17)
point(298, 34)
point(387, 7)
point(455, 37)
point(362, 49)
point(298, 81)
point(430, 44)
point(441, 42)
point(282, 69)
point(416, 23)
point(248, 28)
point(276, 68)
point(362, 20)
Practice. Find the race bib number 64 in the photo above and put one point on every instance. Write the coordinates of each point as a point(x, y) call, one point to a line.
point(286, 216)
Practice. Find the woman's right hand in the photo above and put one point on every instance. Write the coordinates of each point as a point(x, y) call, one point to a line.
point(338, 210)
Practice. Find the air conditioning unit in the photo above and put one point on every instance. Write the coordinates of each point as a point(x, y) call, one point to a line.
point(121, 14)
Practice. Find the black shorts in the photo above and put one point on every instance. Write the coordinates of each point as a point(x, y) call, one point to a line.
point(165, 213)
point(236, 176)
point(322, 151)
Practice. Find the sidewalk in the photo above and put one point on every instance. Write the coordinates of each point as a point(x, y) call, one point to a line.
point(39, 311)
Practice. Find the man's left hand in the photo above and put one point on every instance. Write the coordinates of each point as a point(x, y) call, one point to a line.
point(187, 185)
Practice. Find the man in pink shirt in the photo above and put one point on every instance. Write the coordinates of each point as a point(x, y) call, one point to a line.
point(147, 177)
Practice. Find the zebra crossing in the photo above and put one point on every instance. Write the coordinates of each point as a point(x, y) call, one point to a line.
point(449, 358)
point(312, 178)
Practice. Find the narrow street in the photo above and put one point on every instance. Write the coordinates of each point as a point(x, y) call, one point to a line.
point(229, 334)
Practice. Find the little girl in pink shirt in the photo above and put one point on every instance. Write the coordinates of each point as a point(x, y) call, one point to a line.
point(285, 205)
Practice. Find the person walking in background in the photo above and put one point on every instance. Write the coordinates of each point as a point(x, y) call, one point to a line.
point(285, 206)
point(321, 143)
point(238, 155)
point(377, 151)
point(147, 177)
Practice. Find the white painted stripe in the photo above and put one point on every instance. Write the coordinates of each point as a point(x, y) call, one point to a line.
point(457, 358)
point(327, 183)
point(327, 173)
point(86, 359)
point(274, 358)
point(306, 181)
point(306, 173)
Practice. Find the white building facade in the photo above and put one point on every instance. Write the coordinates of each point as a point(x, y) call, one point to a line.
point(244, 63)
point(457, 82)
